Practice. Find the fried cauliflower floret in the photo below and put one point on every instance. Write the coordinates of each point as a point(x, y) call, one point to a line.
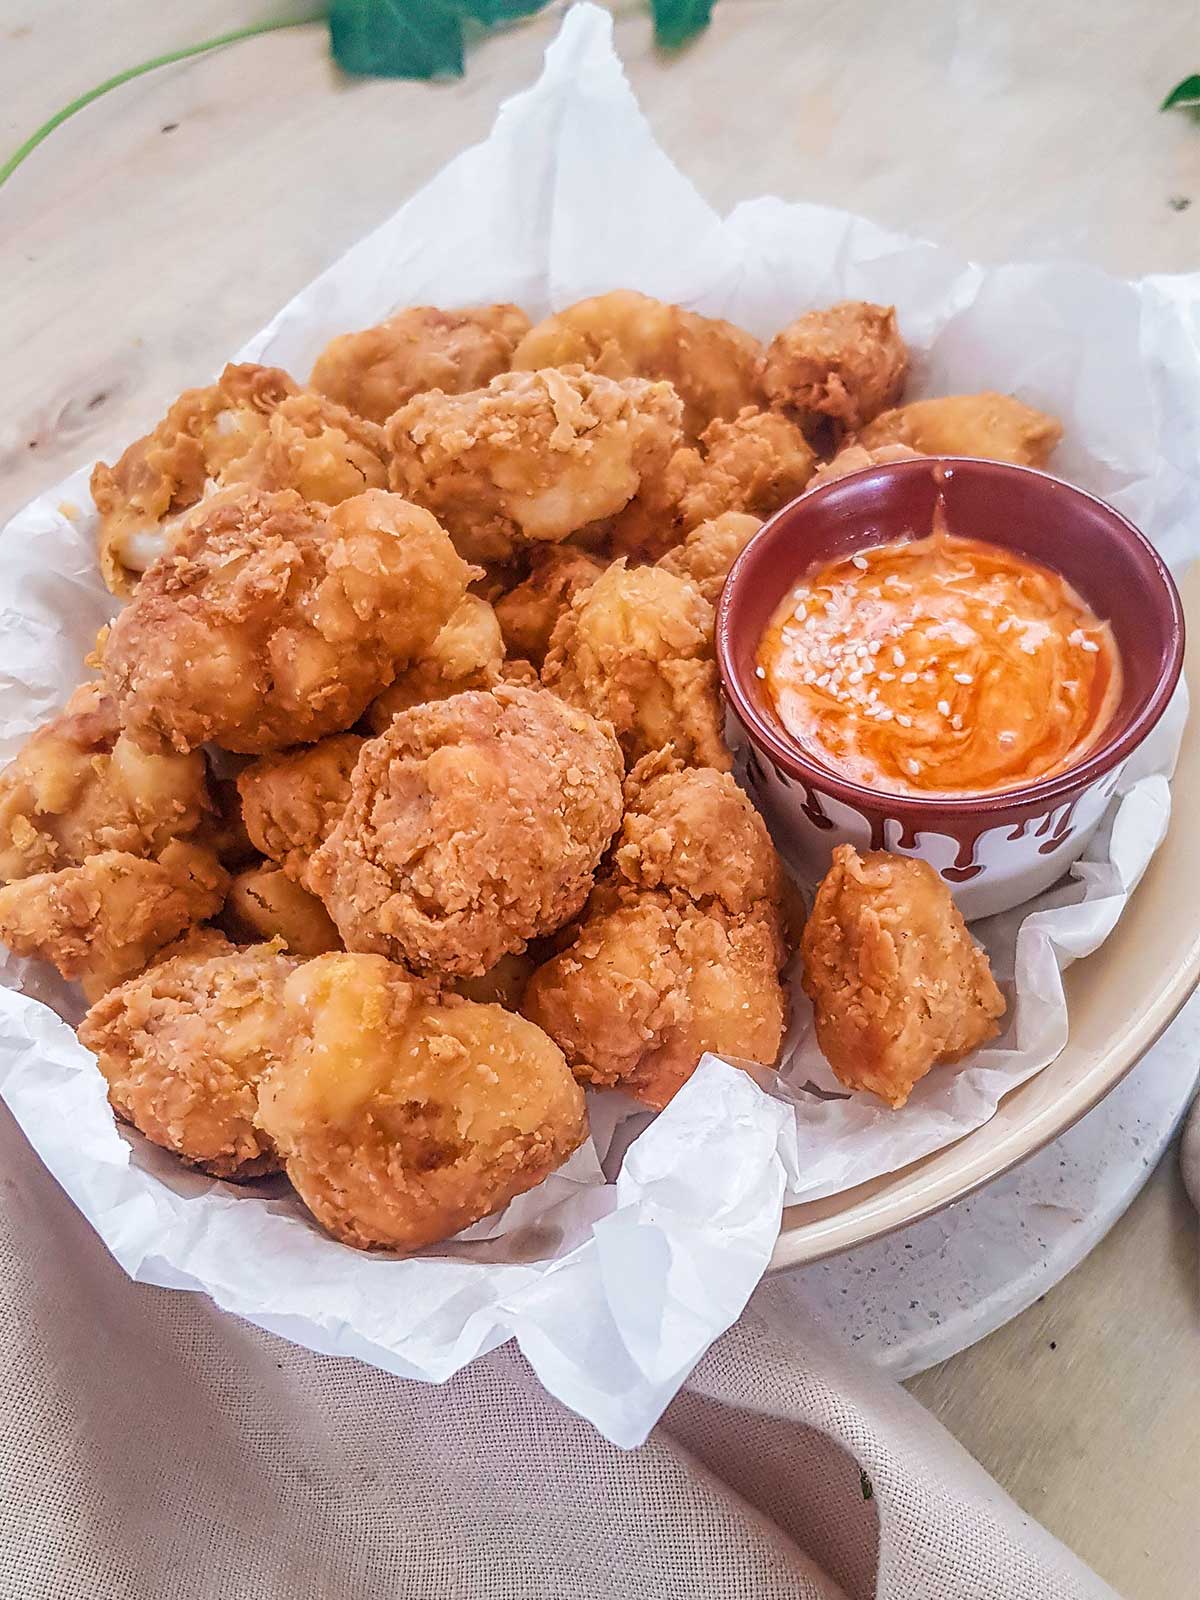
point(103, 920)
point(636, 648)
point(275, 622)
point(755, 464)
point(253, 428)
point(183, 1047)
point(534, 456)
point(706, 555)
point(994, 426)
point(898, 986)
point(376, 371)
point(264, 904)
point(857, 458)
point(80, 786)
point(403, 1117)
point(651, 983)
point(691, 830)
point(846, 363)
point(474, 825)
point(528, 612)
point(467, 654)
point(711, 364)
point(291, 801)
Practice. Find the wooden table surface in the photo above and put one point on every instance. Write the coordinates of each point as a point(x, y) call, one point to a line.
point(154, 232)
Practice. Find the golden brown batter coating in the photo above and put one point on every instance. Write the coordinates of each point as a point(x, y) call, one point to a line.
point(264, 904)
point(898, 985)
point(467, 654)
point(253, 428)
point(857, 458)
point(636, 648)
point(403, 1117)
point(474, 825)
point(994, 426)
point(276, 623)
point(706, 555)
point(102, 921)
point(184, 1045)
point(847, 363)
point(712, 364)
point(80, 786)
point(528, 612)
point(651, 982)
point(533, 457)
point(374, 372)
point(291, 801)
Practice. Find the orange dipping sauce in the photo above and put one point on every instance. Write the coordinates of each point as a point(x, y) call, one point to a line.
point(940, 665)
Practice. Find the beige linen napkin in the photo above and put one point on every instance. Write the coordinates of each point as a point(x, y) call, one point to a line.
point(157, 1449)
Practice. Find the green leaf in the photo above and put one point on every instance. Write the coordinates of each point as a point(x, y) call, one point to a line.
point(397, 38)
point(1186, 93)
point(677, 21)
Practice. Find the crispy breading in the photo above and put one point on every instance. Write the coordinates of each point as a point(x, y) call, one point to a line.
point(291, 801)
point(636, 648)
point(706, 555)
point(375, 371)
point(275, 622)
point(755, 463)
point(528, 612)
point(183, 1046)
point(857, 458)
point(845, 363)
point(79, 786)
point(534, 456)
point(994, 426)
point(474, 825)
point(265, 904)
point(898, 985)
point(102, 921)
point(651, 982)
point(402, 1116)
point(467, 654)
point(711, 363)
point(253, 428)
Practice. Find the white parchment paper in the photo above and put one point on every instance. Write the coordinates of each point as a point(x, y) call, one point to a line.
point(615, 1275)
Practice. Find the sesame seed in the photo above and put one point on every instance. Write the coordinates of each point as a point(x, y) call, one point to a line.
point(944, 707)
point(887, 677)
point(899, 658)
point(860, 562)
point(875, 646)
point(963, 677)
point(1090, 646)
point(856, 677)
point(823, 681)
point(956, 722)
point(905, 722)
point(913, 766)
point(759, 673)
point(884, 714)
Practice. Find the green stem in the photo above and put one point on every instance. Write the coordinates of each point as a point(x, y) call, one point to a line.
point(59, 117)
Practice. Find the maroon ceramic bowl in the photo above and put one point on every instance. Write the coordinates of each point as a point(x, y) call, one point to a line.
point(994, 851)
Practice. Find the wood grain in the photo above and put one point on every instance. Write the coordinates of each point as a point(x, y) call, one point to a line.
point(155, 231)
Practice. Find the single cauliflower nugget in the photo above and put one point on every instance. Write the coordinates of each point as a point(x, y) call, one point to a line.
point(994, 426)
point(265, 904)
point(374, 372)
point(706, 555)
point(474, 825)
point(80, 786)
point(467, 654)
point(534, 456)
point(528, 612)
point(292, 801)
point(253, 428)
point(103, 920)
point(636, 648)
point(403, 1117)
point(274, 623)
point(711, 364)
point(651, 982)
point(184, 1045)
point(845, 363)
point(857, 458)
point(898, 985)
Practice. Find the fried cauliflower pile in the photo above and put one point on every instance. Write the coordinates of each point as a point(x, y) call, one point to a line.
point(401, 807)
